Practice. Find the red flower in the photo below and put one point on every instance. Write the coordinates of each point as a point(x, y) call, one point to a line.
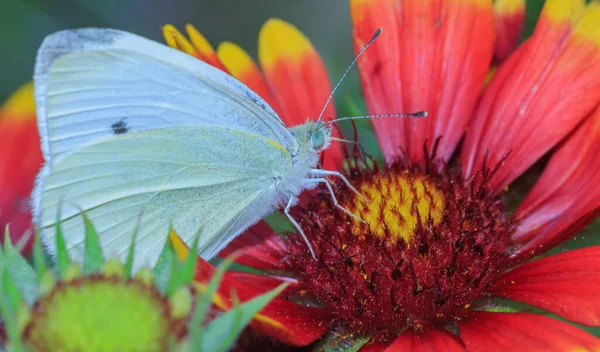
point(438, 244)
point(20, 160)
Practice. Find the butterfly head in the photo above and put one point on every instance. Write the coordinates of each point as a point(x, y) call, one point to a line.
point(320, 136)
point(313, 136)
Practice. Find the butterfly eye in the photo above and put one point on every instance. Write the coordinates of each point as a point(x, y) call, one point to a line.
point(317, 139)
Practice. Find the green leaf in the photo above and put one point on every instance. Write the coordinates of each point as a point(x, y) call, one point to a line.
point(185, 272)
point(280, 223)
point(222, 332)
point(39, 261)
point(501, 309)
point(94, 259)
point(204, 302)
point(338, 343)
point(23, 275)
point(62, 256)
point(164, 265)
point(130, 253)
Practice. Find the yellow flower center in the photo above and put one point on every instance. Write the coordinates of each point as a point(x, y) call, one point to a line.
point(396, 204)
point(100, 315)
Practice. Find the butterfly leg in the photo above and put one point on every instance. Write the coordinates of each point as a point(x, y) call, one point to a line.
point(341, 176)
point(334, 199)
point(291, 202)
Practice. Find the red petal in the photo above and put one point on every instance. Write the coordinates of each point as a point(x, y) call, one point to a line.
point(509, 20)
point(539, 94)
point(241, 66)
point(265, 282)
point(426, 341)
point(282, 320)
point(565, 284)
point(297, 77)
point(503, 332)
point(20, 161)
point(431, 55)
point(259, 247)
point(567, 189)
point(376, 347)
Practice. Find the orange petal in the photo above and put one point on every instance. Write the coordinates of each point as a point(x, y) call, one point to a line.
point(20, 161)
point(241, 66)
point(282, 320)
point(501, 332)
point(547, 87)
point(297, 77)
point(509, 20)
point(205, 50)
point(431, 55)
point(567, 189)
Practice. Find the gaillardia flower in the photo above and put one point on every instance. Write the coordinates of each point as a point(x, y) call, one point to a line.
point(439, 245)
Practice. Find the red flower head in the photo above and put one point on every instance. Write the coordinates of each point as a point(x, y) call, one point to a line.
point(438, 245)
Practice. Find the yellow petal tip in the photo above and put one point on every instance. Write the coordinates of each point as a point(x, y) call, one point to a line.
point(563, 10)
point(588, 24)
point(176, 40)
point(198, 40)
point(279, 39)
point(21, 104)
point(235, 59)
point(181, 249)
point(509, 7)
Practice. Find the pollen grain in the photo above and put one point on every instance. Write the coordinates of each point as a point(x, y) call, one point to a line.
point(397, 204)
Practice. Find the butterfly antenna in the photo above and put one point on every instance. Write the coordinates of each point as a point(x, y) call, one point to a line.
point(415, 114)
point(377, 33)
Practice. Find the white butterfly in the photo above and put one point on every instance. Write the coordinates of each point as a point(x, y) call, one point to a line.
point(128, 124)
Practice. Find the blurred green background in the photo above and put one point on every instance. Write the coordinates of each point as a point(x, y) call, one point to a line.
point(24, 24)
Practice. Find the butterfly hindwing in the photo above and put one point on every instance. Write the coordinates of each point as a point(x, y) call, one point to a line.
point(194, 177)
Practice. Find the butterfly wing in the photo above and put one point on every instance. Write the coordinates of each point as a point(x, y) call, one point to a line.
point(95, 86)
point(195, 178)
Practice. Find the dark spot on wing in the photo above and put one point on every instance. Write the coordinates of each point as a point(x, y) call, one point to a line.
point(120, 127)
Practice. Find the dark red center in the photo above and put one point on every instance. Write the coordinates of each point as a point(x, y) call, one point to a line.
point(417, 261)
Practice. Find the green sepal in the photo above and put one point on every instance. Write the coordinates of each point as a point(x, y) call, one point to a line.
point(203, 304)
point(131, 251)
point(8, 309)
point(39, 260)
point(11, 292)
point(164, 265)
point(222, 332)
point(62, 256)
point(94, 259)
point(22, 274)
point(183, 273)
